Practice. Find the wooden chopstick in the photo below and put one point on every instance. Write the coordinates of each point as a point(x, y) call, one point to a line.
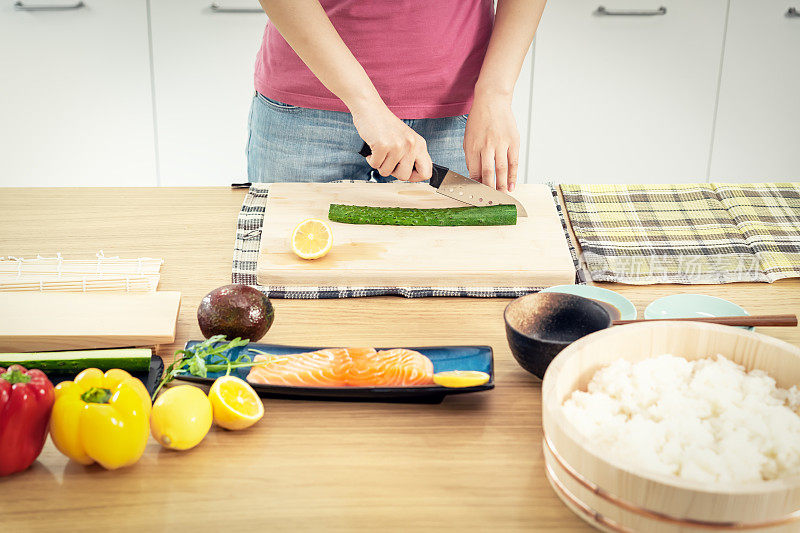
point(754, 320)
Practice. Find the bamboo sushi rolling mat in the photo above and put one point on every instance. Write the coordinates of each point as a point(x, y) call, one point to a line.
point(705, 233)
point(59, 274)
point(248, 240)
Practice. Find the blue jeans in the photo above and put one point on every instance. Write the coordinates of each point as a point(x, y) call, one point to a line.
point(290, 143)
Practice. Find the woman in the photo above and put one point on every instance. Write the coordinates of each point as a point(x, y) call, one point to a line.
point(417, 80)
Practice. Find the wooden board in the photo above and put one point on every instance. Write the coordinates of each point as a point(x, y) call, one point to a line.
point(65, 321)
point(534, 252)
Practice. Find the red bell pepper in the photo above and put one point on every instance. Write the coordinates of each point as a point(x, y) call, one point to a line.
point(26, 400)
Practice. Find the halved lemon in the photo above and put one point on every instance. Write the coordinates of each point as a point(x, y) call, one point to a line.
point(460, 378)
point(236, 405)
point(312, 239)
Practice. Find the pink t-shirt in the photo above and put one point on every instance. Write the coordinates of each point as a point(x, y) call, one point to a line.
point(423, 56)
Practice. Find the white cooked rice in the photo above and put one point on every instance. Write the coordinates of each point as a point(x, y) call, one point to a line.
point(705, 420)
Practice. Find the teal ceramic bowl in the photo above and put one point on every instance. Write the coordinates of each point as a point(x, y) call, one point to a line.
point(692, 306)
point(617, 305)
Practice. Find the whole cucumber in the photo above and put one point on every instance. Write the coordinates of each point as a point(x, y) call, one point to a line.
point(494, 215)
point(130, 359)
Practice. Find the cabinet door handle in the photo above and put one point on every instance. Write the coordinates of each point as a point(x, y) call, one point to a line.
point(602, 11)
point(19, 6)
point(216, 8)
point(793, 13)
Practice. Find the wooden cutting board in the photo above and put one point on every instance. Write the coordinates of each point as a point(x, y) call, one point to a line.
point(31, 321)
point(534, 252)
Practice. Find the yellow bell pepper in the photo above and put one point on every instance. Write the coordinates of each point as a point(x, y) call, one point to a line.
point(101, 418)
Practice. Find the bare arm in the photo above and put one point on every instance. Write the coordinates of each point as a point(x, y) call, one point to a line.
point(491, 141)
point(396, 148)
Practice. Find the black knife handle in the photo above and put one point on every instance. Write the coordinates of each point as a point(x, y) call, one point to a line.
point(437, 175)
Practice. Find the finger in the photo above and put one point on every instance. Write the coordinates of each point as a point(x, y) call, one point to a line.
point(378, 156)
point(416, 177)
point(389, 164)
point(404, 168)
point(501, 169)
point(487, 167)
point(423, 166)
point(513, 166)
point(473, 158)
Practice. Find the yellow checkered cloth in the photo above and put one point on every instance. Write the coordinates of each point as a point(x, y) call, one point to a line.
point(688, 233)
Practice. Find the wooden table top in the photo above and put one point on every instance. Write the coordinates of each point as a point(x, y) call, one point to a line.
point(472, 463)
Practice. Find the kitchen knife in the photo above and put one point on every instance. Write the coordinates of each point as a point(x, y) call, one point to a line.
point(461, 188)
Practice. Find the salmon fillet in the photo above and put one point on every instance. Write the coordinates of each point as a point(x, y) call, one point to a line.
point(323, 368)
point(399, 367)
point(343, 367)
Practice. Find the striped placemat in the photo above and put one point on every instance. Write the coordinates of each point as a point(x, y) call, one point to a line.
point(688, 233)
point(248, 241)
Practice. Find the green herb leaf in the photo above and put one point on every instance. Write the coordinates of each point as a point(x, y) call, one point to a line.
point(194, 359)
point(205, 357)
point(197, 367)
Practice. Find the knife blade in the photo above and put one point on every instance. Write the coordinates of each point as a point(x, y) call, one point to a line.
point(461, 188)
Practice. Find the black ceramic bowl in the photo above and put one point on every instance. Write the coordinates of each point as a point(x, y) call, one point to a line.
point(540, 325)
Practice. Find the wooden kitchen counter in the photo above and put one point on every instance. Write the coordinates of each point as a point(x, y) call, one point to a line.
point(472, 463)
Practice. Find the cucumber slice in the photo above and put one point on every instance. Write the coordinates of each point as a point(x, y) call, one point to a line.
point(130, 359)
point(494, 215)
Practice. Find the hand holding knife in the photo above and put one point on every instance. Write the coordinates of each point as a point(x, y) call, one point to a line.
point(461, 188)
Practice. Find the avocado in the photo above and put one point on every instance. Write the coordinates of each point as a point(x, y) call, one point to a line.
point(235, 310)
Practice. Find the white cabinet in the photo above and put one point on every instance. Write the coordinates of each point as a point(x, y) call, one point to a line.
point(203, 64)
point(758, 121)
point(76, 105)
point(621, 97)
point(147, 92)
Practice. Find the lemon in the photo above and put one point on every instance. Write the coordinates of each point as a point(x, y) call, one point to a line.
point(312, 239)
point(236, 405)
point(460, 378)
point(181, 417)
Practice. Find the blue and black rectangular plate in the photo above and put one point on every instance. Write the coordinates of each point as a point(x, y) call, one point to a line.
point(443, 358)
